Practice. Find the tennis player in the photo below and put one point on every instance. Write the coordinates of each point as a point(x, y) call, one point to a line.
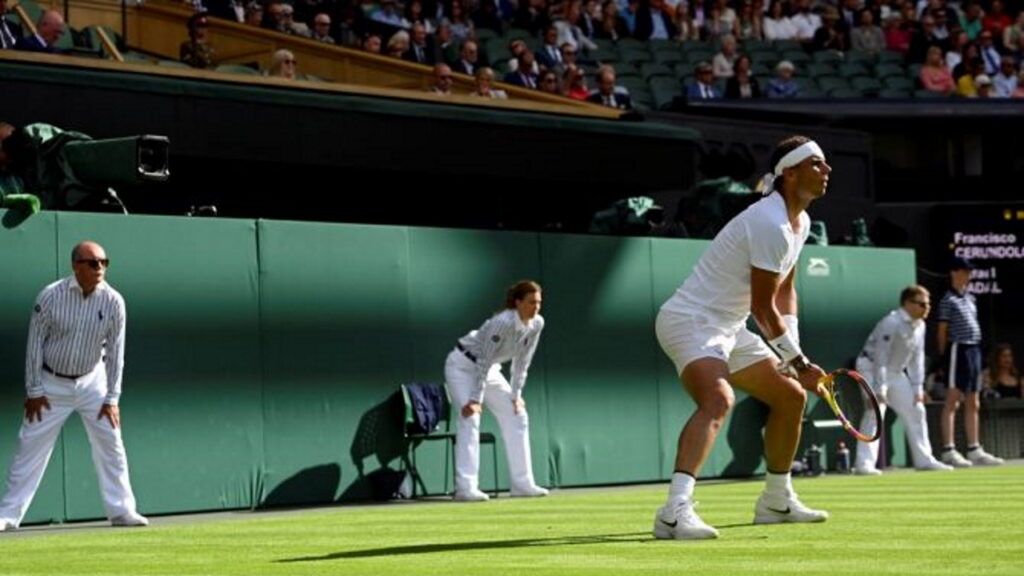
point(749, 269)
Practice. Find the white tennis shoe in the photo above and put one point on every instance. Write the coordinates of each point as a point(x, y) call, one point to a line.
point(979, 457)
point(955, 459)
point(678, 521)
point(788, 509)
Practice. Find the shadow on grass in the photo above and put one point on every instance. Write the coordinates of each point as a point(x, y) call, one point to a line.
point(487, 545)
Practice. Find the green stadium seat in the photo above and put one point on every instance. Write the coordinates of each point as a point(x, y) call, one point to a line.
point(237, 69)
point(894, 94)
point(889, 69)
point(914, 71)
point(691, 45)
point(899, 83)
point(514, 33)
point(668, 58)
point(853, 70)
point(845, 93)
point(484, 34)
point(787, 46)
point(816, 70)
point(889, 56)
point(832, 57)
point(758, 69)
point(635, 56)
point(755, 45)
point(626, 69)
point(631, 44)
point(664, 91)
point(810, 93)
point(651, 70)
point(797, 57)
point(766, 58)
point(829, 83)
point(866, 85)
point(662, 45)
point(605, 44)
point(859, 57)
point(695, 56)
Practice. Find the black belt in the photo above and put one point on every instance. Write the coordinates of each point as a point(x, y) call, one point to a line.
point(464, 351)
point(55, 373)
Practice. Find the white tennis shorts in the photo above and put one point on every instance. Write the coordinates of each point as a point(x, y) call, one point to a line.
point(694, 334)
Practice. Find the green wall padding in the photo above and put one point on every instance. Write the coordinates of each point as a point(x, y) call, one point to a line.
point(263, 357)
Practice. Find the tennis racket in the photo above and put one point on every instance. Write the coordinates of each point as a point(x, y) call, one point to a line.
point(842, 389)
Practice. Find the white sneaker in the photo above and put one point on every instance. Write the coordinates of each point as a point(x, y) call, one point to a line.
point(934, 465)
point(773, 510)
point(473, 495)
point(5, 526)
point(866, 471)
point(531, 492)
point(981, 458)
point(678, 521)
point(130, 519)
point(955, 459)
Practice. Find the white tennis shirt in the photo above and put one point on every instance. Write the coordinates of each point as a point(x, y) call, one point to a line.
point(760, 237)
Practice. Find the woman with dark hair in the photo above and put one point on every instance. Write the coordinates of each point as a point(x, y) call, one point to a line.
point(742, 84)
point(473, 376)
point(1002, 376)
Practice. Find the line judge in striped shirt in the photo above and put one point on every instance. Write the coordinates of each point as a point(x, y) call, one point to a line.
point(474, 379)
point(73, 363)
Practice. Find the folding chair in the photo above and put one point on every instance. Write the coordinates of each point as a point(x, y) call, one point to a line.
point(415, 435)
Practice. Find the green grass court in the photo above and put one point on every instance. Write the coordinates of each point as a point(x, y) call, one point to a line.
point(907, 523)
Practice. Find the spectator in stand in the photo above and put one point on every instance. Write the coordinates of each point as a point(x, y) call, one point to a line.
point(828, 36)
point(414, 15)
point(484, 80)
point(970, 21)
point(750, 22)
point(924, 38)
point(523, 75)
point(290, 26)
point(702, 87)
point(897, 33)
point(721, 21)
point(783, 85)
point(548, 83)
point(442, 80)
point(652, 21)
point(1005, 82)
point(517, 47)
point(805, 21)
point(419, 51)
point(550, 55)
point(197, 51)
point(455, 16)
point(467, 62)
point(486, 17)
point(322, 28)
point(996, 20)
point(966, 84)
point(934, 74)
point(956, 49)
point(531, 15)
point(988, 52)
point(282, 65)
point(387, 13)
point(1019, 92)
point(969, 53)
point(686, 29)
point(1013, 37)
point(398, 44)
point(606, 91)
point(1002, 377)
point(49, 29)
point(254, 14)
point(983, 86)
point(446, 49)
point(272, 15)
point(942, 19)
point(629, 13)
point(574, 82)
point(777, 25)
point(372, 43)
point(722, 63)
point(867, 37)
point(742, 84)
point(612, 26)
point(569, 31)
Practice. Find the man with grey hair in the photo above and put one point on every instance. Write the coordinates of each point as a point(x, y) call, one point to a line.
point(74, 363)
point(49, 29)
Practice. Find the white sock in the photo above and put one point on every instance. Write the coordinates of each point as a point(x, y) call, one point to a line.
point(779, 484)
point(682, 487)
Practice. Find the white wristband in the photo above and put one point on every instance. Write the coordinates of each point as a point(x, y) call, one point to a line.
point(786, 347)
point(792, 326)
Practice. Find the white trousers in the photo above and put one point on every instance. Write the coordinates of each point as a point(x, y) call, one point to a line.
point(900, 395)
point(36, 440)
point(461, 378)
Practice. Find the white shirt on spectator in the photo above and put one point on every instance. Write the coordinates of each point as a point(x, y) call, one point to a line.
point(781, 29)
point(806, 24)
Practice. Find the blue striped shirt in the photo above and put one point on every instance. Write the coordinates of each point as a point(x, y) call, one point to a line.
point(71, 334)
point(961, 312)
point(504, 337)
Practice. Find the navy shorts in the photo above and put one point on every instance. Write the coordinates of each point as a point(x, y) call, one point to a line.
point(965, 367)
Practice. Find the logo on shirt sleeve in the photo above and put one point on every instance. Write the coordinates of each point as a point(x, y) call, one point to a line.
point(38, 308)
point(495, 338)
point(101, 315)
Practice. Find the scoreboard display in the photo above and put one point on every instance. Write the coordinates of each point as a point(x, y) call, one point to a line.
point(991, 236)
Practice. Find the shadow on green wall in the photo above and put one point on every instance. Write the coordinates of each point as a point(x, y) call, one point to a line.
point(311, 485)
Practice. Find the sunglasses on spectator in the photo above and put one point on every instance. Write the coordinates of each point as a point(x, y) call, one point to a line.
point(94, 263)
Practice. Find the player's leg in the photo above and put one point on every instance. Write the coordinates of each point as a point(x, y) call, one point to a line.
point(698, 351)
point(954, 395)
point(972, 408)
point(755, 372)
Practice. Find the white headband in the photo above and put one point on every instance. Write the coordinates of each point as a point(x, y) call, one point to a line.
point(798, 155)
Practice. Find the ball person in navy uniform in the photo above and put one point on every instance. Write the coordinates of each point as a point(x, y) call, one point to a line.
point(74, 363)
point(474, 379)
